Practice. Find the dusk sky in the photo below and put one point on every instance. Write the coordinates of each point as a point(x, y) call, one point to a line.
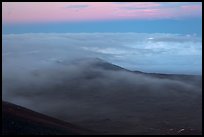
point(145, 17)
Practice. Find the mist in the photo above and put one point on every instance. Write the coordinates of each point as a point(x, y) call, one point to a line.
point(107, 100)
point(70, 77)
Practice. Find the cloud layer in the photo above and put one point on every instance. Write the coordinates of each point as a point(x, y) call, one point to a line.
point(157, 52)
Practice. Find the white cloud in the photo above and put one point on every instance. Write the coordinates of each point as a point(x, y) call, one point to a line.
point(112, 51)
point(146, 52)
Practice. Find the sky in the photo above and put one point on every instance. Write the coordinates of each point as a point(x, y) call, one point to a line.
point(72, 17)
point(162, 37)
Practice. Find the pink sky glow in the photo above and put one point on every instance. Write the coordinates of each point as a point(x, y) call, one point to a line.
point(30, 12)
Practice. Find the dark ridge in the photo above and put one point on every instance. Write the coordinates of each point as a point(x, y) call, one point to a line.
point(99, 63)
point(17, 120)
point(108, 66)
point(102, 64)
point(179, 77)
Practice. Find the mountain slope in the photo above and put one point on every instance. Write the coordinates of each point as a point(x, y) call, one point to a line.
point(18, 120)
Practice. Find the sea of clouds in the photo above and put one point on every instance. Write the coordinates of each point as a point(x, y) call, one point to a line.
point(157, 52)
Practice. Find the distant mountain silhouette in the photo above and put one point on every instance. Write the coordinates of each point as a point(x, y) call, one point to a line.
point(102, 64)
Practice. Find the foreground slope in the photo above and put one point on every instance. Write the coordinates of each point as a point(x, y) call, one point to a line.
point(18, 120)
